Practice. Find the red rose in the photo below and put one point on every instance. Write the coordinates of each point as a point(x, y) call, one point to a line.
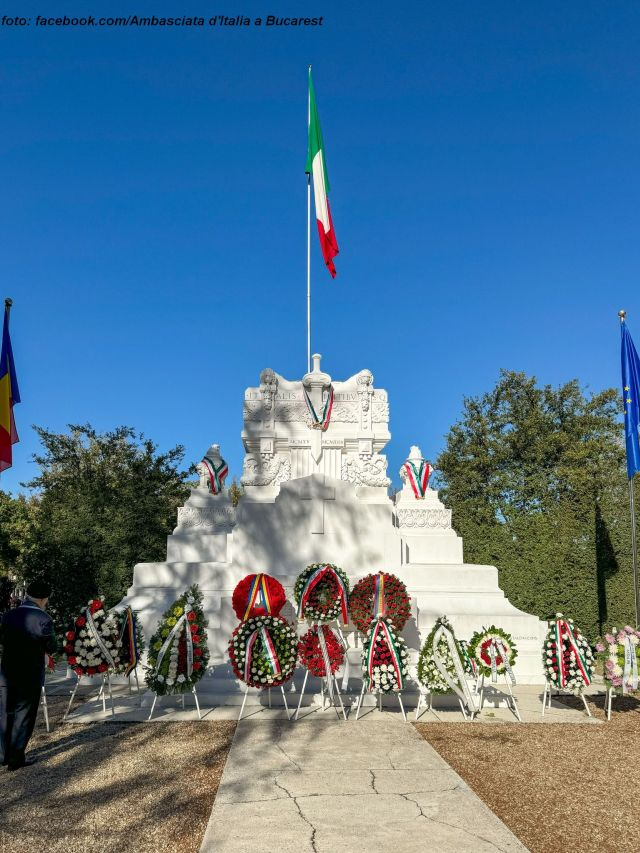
point(80, 621)
point(78, 670)
point(70, 635)
point(191, 616)
point(195, 638)
point(197, 653)
point(193, 629)
point(68, 648)
point(72, 660)
point(95, 606)
point(91, 670)
point(197, 665)
point(103, 667)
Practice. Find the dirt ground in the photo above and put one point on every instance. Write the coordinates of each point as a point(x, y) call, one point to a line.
point(113, 787)
point(557, 786)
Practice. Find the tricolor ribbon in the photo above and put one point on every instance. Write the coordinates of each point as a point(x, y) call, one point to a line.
point(630, 674)
point(325, 657)
point(313, 580)
point(560, 625)
point(168, 642)
point(470, 661)
point(258, 589)
point(379, 607)
point(129, 629)
point(323, 422)
point(461, 689)
point(93, 630)
point(347, 665)
point(381, 627)
point(418, 477)
point(269, 649)
point(498, 648)
point(216, 473)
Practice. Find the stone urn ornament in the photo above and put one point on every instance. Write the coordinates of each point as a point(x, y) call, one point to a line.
point(212, 471)
point(415, 473)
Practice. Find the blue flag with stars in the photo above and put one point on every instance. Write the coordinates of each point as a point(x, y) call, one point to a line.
point(631, 392)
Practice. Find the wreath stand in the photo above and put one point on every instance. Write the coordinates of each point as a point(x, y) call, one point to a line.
point(324, 684)
point(45, 710)
point(611, 692)
point(559, 690)
point(379, 692)
point(106, 680)
point(195, 696)
point(513, 704)
point(428, 700)
point(246, 693)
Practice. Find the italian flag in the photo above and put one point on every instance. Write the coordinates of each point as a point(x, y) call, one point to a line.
point(317, 167)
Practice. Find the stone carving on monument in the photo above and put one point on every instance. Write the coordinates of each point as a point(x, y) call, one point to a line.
point(316, 490)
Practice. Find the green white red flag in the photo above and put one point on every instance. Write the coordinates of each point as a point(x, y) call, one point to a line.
point(317, 168)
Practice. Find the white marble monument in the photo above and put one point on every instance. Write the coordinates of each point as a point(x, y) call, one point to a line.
point(317, 491)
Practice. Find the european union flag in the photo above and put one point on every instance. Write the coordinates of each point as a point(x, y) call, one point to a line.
point(631, 392)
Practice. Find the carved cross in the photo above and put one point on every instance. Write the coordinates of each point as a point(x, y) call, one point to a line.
point(318, 495)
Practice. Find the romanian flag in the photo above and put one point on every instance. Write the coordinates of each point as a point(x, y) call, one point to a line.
point(9, 396)
point(317, 168)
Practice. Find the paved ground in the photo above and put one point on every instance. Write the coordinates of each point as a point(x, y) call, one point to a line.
point(135, 708)
point(320, 785)
point(113, 788)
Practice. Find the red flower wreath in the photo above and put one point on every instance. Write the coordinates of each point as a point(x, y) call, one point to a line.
point(396, 599)
point(310, 654)
point(240, 599)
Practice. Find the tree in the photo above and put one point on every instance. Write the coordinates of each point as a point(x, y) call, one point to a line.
point(103, 503)
point(537, 483)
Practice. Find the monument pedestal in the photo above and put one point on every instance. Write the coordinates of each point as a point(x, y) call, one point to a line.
point(320, 495)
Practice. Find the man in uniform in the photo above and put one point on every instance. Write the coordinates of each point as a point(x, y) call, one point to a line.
point(27, 636)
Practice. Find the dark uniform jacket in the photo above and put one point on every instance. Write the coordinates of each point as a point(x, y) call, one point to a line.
point(27, 635)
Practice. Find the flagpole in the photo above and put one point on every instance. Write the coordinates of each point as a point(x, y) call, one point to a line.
point(308, 243)
point(634, 543)
point(7, 310)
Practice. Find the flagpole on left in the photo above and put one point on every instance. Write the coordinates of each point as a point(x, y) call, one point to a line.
point(634, 543)
point(308, 242)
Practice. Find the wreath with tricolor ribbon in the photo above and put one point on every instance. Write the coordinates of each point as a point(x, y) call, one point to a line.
point(178, 653)
point(384, 658)
point(322, 593)
point(567, 656)
point(619, 653)
point(132, 640)
point(263, 651)
point(317, 648)
point(258, 595)
point(494, 652)
point(93, 645)
point(382, 594)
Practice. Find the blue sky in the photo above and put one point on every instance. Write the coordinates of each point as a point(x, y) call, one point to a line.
point(484, 163)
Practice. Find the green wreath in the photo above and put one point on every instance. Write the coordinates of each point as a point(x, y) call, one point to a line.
point(479, 650)
point(428, 673)
point(178, 653)
point(327, 599)
point(263, 670)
